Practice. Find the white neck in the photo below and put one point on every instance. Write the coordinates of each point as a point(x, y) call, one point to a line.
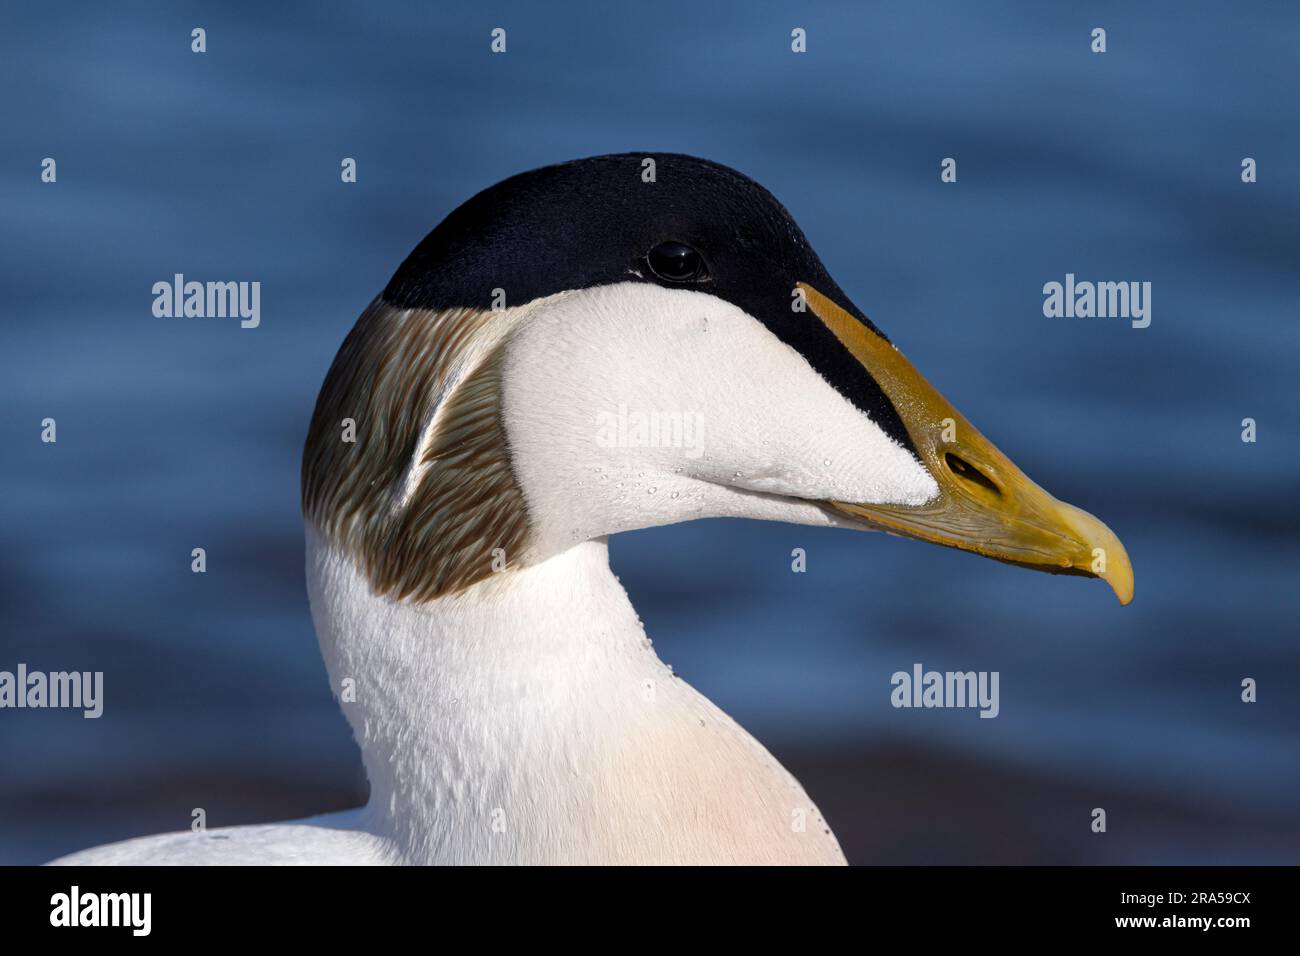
point(528, 720)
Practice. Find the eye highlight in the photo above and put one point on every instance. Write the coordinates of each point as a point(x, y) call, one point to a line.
point(676, 262)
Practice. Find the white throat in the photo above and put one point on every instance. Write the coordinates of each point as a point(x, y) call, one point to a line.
point(524, 717)
point(528, 720)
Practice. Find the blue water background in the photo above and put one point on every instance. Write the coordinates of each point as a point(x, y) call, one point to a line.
point(176, 434)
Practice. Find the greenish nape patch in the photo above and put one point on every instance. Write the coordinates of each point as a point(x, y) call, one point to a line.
point(422, 497)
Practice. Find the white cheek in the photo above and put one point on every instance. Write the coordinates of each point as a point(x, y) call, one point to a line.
point(629, 406)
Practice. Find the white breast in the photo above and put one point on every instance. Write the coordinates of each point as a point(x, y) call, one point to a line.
point(529, 720)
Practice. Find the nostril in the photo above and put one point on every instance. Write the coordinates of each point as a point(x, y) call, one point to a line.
point(965, 470)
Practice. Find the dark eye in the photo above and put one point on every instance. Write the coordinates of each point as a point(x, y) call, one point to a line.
point(676, 262)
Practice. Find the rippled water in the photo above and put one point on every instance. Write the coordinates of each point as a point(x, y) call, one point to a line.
point(1122, 166)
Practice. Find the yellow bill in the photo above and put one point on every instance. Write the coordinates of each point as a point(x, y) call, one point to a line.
point(986, 504)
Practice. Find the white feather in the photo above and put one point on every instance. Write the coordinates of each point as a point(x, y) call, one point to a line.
point(528, 719)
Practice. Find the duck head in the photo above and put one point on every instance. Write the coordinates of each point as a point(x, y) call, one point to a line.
point(635, 340)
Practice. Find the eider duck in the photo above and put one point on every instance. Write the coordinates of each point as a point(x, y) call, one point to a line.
point(459, 487)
